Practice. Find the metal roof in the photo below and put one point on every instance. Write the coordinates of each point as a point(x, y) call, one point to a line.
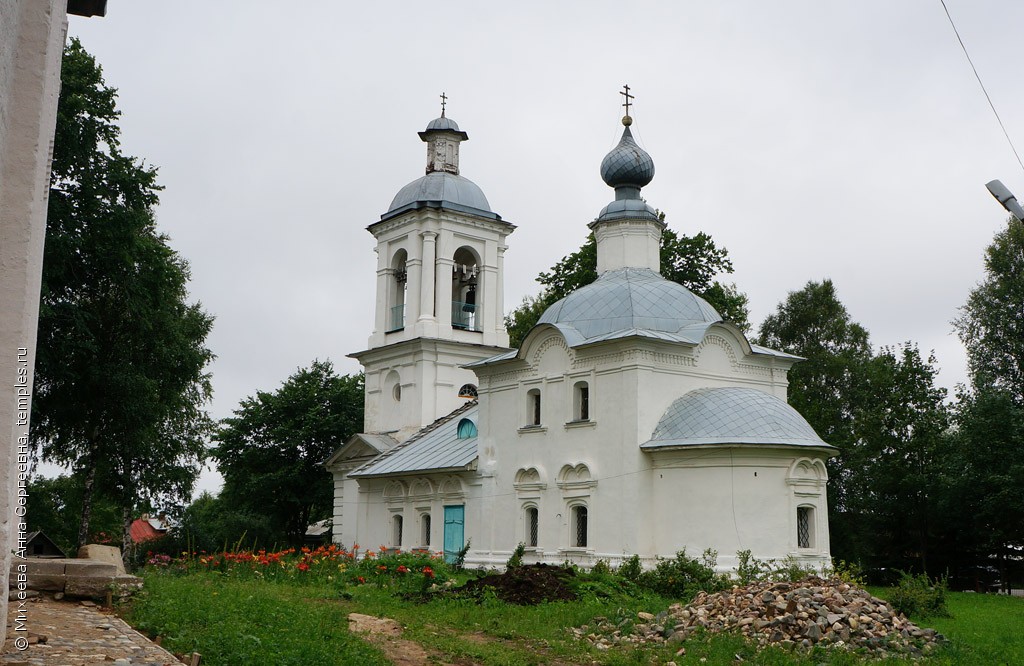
point(627, 164)
point(626, 299)
point(446, 189)
point(435, 448)
point(732, 415)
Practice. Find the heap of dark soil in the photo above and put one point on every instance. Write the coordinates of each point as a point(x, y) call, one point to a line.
point(526, 585)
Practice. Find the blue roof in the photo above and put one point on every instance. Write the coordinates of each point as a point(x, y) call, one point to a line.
point(732, 415)
point(435, 448)
point(443, 189)
point(626, 301)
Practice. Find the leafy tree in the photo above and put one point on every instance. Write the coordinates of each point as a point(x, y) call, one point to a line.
point(991, 324)
point(984, 476)
point(692, 261)
point(895, 462)
point(827, 387)
point(121, 378)
point(272, 450)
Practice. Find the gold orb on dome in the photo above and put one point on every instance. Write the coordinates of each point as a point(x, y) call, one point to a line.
point(627, 121)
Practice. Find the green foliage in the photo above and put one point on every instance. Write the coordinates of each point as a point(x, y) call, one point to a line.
point(601, 568)
point(631, 569)
point(121, 379)
point(682, 577)
point(692, 261)
point(990, 324)
point(919, 596)
point(750, 569)
point(516, 558)
point(55, 507)
point(271, 451)
point(847, 572)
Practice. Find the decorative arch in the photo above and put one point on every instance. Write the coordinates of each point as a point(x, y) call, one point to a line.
point(553, 342)
point(576, 477)
point(718, 342)
point(421, 488)
point(530, 478)
point(807, 472)
point(453, 488)
point(394, 491)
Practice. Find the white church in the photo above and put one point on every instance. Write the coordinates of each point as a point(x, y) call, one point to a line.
point(633, 419)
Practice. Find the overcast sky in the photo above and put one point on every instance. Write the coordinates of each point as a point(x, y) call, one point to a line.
point(811, 139)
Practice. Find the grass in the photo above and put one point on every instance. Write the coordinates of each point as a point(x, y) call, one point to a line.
point(243, 620)
point(247, 622)
point(984, 629)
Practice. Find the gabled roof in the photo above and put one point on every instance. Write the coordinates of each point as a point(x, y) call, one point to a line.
point(376, 442)
point(435, 448)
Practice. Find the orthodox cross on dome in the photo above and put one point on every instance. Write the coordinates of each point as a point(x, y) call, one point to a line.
point(625, 93)
point(444, 100)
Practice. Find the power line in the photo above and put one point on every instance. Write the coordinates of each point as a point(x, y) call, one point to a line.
point(980, 83)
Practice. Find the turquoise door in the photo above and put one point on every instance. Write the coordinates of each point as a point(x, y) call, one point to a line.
point(454, 531)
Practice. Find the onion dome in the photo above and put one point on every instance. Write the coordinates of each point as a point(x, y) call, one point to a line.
point(627, 165)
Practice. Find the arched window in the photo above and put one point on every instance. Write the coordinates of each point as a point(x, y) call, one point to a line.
point(532, 526)
point(396, 531)
point(578, 527)
point(805, 527)
point(467, 429)
point(396, 297)
point(581, 402)
point(465, 295)
point(467, 391)
point(533, 407)
point(425, 530)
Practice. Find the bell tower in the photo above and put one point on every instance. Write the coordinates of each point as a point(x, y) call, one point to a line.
point(440, 254)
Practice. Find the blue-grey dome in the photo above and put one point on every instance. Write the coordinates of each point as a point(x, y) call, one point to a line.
point(629, 301)
point(442, 123)
point(627, 165)
point(732, 415)
point(441, 187)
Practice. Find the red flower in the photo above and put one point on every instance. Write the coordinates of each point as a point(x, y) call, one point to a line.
point(361, 579)
point(303, 566)
point(382, 568)
point(428, 572)
point(402, 569)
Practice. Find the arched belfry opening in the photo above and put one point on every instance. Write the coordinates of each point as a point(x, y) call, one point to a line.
point(466, 290)
point(397, 292)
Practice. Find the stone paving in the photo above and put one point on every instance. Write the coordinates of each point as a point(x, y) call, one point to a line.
point(75, 633)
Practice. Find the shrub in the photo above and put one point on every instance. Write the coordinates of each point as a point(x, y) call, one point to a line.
point(750, 569)
point(917, 595)
point(683, 576)
point(601, 568)
point(789, 569)
point(631, 569)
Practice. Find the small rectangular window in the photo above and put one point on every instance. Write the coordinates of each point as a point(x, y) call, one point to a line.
point(426, 529)
point(533, 407)
point(584, 414)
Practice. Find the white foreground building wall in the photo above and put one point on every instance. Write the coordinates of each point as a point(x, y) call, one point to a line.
point(31, 44)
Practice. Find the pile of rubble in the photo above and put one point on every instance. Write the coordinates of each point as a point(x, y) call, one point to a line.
point(829, 613)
